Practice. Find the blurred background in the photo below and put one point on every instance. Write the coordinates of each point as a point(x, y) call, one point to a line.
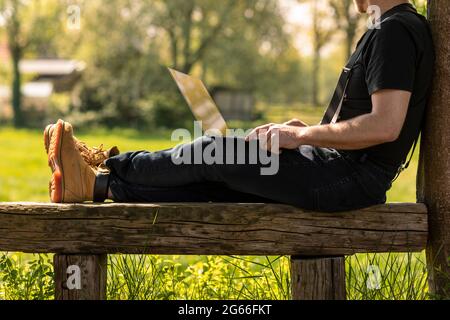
point(101, 64)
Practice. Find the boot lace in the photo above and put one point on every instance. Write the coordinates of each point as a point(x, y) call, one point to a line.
point(94, 156)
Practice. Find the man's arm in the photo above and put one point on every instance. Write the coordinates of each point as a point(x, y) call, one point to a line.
point(382, 125)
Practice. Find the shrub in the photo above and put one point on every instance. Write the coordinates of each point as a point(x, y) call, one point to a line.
point(30, 280)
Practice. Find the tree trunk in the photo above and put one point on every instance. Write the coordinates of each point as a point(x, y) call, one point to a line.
point(187, 35)
point(16, 96)
point(315, 78)
point(351, 32)
point(173, 49)
point(434, 169)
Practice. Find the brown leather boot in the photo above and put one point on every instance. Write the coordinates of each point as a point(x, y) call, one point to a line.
point(73, 179)
point(95, 157)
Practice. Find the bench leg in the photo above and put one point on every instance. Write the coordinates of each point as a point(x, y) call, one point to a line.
point(318, 278)
point(80, 277)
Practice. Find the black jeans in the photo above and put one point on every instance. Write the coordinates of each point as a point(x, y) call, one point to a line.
point(311, 178)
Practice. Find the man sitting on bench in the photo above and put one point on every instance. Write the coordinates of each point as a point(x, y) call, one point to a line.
point(347, 162)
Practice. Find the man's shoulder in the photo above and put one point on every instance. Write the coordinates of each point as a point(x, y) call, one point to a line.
point(392, 32)
point(405, 21)
point(401, 27)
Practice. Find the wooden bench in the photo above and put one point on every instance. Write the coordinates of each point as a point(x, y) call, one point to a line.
point(82, 235)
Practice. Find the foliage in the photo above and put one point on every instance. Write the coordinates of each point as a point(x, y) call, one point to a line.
point(22, 20)
point(387, 276)
point(26, 280)
point(150, 277)
point(134, 40)
point(211, 277)
point(421, 6)
point(125, 44)
point(169, 111)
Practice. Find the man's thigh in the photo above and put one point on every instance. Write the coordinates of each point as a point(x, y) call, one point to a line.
point(292, 180)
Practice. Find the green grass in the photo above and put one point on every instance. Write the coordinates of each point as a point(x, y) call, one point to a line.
point(24, 176)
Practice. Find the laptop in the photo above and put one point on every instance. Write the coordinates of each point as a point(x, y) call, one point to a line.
point(200, 101)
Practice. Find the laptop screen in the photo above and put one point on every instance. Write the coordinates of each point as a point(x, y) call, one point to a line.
point(199, 100)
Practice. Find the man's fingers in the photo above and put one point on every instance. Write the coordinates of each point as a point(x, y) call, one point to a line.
point(262, 138)
point(252, 136)
point(255, 132)
point(275, 142)
point(273, 139)
point(268, 136)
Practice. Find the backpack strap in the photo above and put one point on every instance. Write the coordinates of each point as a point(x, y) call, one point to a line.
point(335, 105)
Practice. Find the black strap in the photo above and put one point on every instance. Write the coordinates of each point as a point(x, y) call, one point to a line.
point(405, 165)
point(344, 79)
point(101, 187)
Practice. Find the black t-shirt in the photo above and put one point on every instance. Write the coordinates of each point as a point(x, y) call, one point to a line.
point(399, 55)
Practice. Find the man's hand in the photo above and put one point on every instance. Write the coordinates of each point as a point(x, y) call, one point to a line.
point(296, 123)
point(274, 137)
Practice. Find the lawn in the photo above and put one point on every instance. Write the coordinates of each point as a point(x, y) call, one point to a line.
point(24, 176)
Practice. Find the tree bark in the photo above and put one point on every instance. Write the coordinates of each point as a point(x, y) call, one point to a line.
point(434, 169)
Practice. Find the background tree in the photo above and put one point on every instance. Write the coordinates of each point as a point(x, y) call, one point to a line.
point(322, 32)
point(240, 44)
point(192, 27)
point(195, 27)
point(10, 11)
point(347, 20)
point(28, 24)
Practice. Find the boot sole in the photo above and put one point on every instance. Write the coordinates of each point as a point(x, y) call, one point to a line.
point(53, 145)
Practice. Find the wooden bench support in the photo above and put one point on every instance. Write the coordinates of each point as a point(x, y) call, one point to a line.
point(318, 278)
point(80, 277)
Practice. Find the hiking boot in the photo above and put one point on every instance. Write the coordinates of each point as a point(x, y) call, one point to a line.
point(73, 179)
point(95, 157)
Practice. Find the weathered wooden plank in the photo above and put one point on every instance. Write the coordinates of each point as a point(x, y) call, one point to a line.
point(318, 278)
point(80, 277)
point(246, 229)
